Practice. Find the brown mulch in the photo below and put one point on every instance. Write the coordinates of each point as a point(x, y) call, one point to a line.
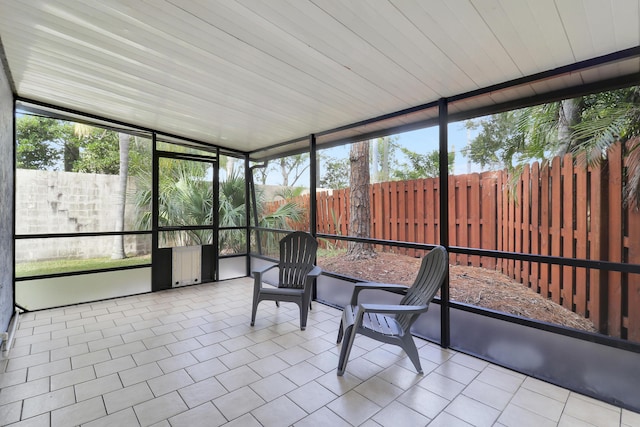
point(471, 285)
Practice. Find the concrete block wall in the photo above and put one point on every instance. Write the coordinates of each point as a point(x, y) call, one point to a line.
point(69, 202)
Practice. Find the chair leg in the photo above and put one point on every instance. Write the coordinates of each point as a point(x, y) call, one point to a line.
point(409, 346)
point(304, 312)
point(340, 332)
point(253, 311)
point(345, 350)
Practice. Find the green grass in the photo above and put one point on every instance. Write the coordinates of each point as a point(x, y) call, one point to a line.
point(38, 268)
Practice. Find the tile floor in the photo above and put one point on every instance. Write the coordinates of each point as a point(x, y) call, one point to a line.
point(188, 357)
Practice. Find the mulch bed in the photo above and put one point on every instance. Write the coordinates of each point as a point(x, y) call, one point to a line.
point(471, 285)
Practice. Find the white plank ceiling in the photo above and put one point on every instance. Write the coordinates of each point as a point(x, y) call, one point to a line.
point(248, 74)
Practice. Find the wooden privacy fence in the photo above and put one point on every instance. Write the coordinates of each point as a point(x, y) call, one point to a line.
point(560, 209)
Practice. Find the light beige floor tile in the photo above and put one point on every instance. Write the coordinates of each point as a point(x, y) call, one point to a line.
point(140, 373)
point(469, 361)
point(424, 401)
point(159, 340)
point(456, 372)
point(538, 404)
point(126, 349)
point(441, 385)
point(546, 389)
point(180, 347)
point(238, 377)
point(278, 412)
point(103, 343)
point(48, 369)
point(192, 342)
point(12, 378)
point(516, 416)
point(127, 397)
point(39, 421)
point(206, 369)
point(237, 358)
point(396, 414)
point(445, 419)
point(264, 349)
point(177, 362)
point(159, 409)
point(10, 413)
point(97, 387)
point(152, 355)
point(246, 420)
point(198, 393)
point(592, 411)
point(190, 332)
point(169, 382)
point(78, 413)
point(311, 396)
point(630, 418)
point(272, 387)
point(205, 415)
point(73, 377)
point(115, 365)
point(238, 402)
point(401, 376)
point(302, 373)
point(472, 411)
point(90, 358)
point(379, 391)
point(488, 394)
point(339, 385)
point(327, 361)
point(209, 352)
point(322, 418)
point(22, 391)
point(354, 407)
point(52, 344)
point(501, 378)
point(569, 421)
point(16, 363)
point(126, 417)
point(71, 351)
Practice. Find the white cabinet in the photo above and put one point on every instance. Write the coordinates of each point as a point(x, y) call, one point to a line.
point(187, 269)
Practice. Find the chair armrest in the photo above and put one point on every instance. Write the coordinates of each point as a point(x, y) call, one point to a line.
point(258, 272)
point(264, 269)
point(398, 289)
point(315, 272)
point(393, 308)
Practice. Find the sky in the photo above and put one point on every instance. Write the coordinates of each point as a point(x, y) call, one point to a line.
point(420, 141)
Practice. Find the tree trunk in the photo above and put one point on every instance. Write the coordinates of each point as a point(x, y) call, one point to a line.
point(121, 196)
point(569, 116)
point(359, 202)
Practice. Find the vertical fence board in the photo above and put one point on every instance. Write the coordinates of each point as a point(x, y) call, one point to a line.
point(581, 235)
point(462, 213)
point(597, 306)
point(402, 214)
point(568, 281)
point(475, 210)
point(555, 228)
point(633, 280)
point(545, 245)
point(501, 218)
point(534, 224)
point(453, 213)
point(489, 218)
point(614, 230)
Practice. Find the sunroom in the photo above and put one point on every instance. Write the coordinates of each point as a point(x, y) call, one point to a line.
point(154, 153)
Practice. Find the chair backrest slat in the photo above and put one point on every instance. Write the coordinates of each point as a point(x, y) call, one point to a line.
point(428, 281)
point(297, 255)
